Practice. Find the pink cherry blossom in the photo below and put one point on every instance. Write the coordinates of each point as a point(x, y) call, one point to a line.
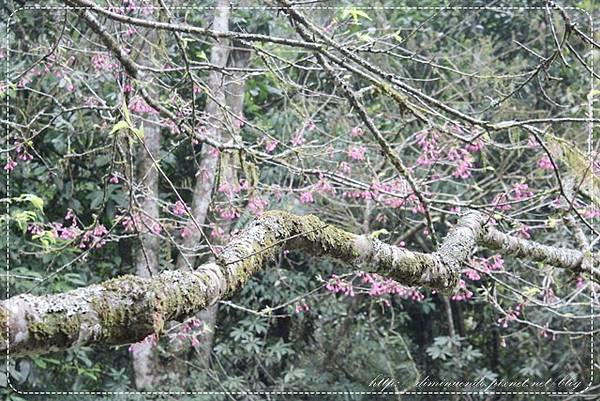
point(216, 231)
point(156, 228)
point(323, 186)
point(345, 168)
point(476, 146)
point(270, 144)
point(229, 213)
point(462, 293)
point(179, 209)
point(185, 232)
point(545, 163)
point(10, 165)
point(257, 205)
point(357, 153)
point(307, 197)
point(356, 132)
point(298, 139)
point(301, 307)
point(511, 314)
point(472, 274)
point(337, 285)
point(139, 105)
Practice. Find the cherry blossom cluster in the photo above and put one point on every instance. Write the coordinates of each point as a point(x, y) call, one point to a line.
point(511, 315)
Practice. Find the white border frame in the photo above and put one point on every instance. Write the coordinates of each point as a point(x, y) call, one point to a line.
point(590, 125)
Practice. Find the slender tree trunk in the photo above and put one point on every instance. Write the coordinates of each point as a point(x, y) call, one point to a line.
point(146, 259)
point(235, 85)
point(204, 187)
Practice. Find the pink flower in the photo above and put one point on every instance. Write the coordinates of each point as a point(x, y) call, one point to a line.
point(227, 189)
point(356, 132)
point(524, 231)
point(214, 152)
point(257, 205)
point(67, 233)
point(357, 152)
point(139, 105)
point(511, 314)
point(307, 197)
point(301, 307)
point(472, 274)
point(100, 231)
point(490, 264)
point(463, 160)
point(591, 212)
point(462, 293)
point(216, 232)
point(114, 179)
point(101, 62)
point(270, 145)
point(179, 209)
point(229, 213)
point(127, 88)
point(35, 229)
point(475, 147)
point(345, 168)
point(427, 140)
point(501, 202)
point(382, 286)
point(298, 139)
point(10, 165)
point(324, 187)
point(532, 143)
point(185, 232)
point(244, 185)
point(128, 224)
point(156, 228)
point(337, 285)
point(545, 163)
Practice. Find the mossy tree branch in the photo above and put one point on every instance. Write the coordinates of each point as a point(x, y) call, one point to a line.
point(129, 308)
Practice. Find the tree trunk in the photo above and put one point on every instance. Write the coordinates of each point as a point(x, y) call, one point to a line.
point(204, 188)
point(146, 260)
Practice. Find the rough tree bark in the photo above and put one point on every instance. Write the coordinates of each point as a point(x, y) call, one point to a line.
point(215, 119)
point(129, 308)
point(234, 88)
point(146, 259)
point(205, 182)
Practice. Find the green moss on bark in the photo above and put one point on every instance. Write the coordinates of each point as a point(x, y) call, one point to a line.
point(61, 327)
point(3, 324)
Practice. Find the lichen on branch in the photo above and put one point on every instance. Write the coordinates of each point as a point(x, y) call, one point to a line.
point(129, 308)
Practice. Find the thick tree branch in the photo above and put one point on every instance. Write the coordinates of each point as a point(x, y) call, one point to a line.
point(129, 308)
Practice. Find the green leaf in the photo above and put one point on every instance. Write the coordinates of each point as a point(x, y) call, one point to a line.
point(119, 126)
point(201, 55)
point(22, 217)
point(139, 132)
point(126, 114)
point(355, 13)
point(36, 201)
